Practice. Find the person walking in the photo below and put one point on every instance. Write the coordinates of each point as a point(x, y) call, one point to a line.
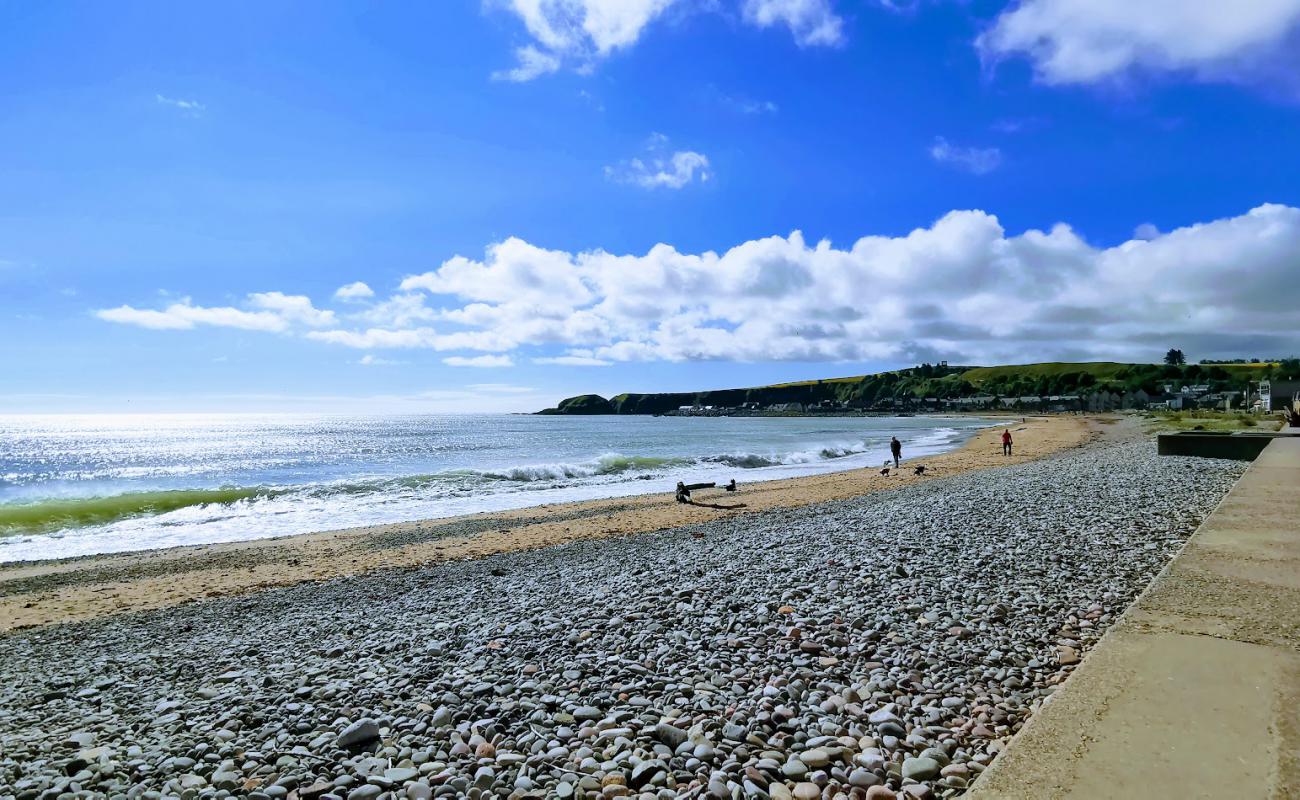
point(1006, 442)
point(896, 447)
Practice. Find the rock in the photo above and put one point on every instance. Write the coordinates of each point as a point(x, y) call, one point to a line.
point(794, 768)
point(921, 769)
point(880, 793)
point(1066, 655)
point(816, 757)
point(358, 733)
point(863, 778)
point(807, 791)
point(670, 735)
point(315, 790)
point(587, 713)
point(644, 773)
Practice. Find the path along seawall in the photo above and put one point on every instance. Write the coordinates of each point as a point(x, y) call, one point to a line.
point(1195, 692)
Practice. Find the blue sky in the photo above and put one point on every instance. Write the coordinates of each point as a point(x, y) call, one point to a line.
point(549, 198)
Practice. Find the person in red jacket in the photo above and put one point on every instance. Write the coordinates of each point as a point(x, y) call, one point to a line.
point(1006, 442)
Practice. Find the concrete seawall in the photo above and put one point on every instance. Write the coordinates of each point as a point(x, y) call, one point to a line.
point(1195, 693)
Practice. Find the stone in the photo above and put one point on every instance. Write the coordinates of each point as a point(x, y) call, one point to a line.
point(864, 778)
point(921, 769)
point(358, 733)
point(670, 735)
point(806, 791)
point(794, 768)
point(816, 757)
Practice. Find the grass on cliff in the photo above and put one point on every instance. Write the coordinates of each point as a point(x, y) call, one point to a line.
point(1099, 369)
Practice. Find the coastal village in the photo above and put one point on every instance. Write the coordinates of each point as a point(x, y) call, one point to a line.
point(1173, 398)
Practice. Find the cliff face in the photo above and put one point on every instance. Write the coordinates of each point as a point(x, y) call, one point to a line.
point(583, 404)
point(859, 391)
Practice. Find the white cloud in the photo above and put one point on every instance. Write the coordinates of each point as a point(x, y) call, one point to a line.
point(1088, 41)
point(579, 33)
point(479, 361)
point(292, 308)
point(811, 22)
point(377, 338)
point(192, 107)
point(1146, 232)
point(659, 169)
point(271, 311)
point(369, 360)
point(183, 316)
point(746, 106)
point(398, 311)
point(357, 290)
point(573, 361)
point(961, 289)
point(975, 160)
point(533, 63)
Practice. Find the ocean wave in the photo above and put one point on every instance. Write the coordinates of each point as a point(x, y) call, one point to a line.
point(47, 515)
point(758, 460)
point(50, 515)
point(609, 464)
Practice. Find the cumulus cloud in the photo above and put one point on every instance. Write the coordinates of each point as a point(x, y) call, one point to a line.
point(357, 290)
point(658, 168)
point(1146, 232)
point(479, 361)
point(292, 308)
point(579, 33)
point(975, 160)
point(962, 289)
point(811, 22)
point(1088, 41)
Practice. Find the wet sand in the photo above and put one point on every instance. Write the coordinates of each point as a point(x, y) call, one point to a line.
point(41, 593)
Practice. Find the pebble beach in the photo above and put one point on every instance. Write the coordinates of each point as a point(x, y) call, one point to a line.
point(880, 646)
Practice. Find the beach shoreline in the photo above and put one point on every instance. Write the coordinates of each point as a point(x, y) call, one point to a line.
point(37, 593)
point(892, 641)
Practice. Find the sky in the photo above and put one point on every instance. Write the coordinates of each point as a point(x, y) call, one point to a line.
point(488, 206)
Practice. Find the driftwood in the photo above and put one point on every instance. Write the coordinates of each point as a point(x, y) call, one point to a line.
point(684, 490)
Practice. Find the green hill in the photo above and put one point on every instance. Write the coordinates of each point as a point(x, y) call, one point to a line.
point(909, 387)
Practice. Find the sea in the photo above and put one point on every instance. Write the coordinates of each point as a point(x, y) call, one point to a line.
point(79, 485)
